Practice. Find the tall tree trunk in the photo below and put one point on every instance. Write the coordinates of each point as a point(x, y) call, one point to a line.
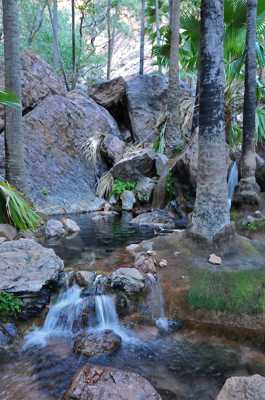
point(173, 135)
point(56, 60)
point(73, 45)
point(37, 23)
point(158, 36)
point(142, 35)
point(211, 214)
point(247, 192)
point(14, 139)
point(109, 39)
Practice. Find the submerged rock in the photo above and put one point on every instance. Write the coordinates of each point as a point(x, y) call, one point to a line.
point(156, 219)
point(97, 343)
point(54, 228)
point(29, 270)
point(128, 200)
point(128, 279)
point(243, 388)
point(104, 383)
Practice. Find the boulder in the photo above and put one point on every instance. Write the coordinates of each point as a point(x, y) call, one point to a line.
point(29, 270)
point(161, 163)
point(8, 332)
point(60, 179)
point(128, 279)
point(160, 219)
point(70, 226)
point(243, 388)
point(38, 81)
point(112, 149)
point(128, 200)
point(104, 383)
point(8, 232)
point(144, 189)
point(83, 278)
point(108, 93)
point(137, 164)
point(146, 263)
point(54, 228)
point(97, 343)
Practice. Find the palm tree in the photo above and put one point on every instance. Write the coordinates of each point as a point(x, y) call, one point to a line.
point(73, 45)
point(211, 213)
point(248, 188)
point(158, 37)
point(173, 136)
point(142, 34)
point(14, 140)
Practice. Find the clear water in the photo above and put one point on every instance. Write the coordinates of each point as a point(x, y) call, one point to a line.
point(182, 366)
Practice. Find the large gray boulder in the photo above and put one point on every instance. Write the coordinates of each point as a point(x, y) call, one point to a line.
point(243, 388)
point(59, 177)
point(29, 270)
point(38, 81)
point(94, 382)
point(137, 164)
point(128, 279)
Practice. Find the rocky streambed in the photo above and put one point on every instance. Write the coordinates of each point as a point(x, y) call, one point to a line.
point(91, 345)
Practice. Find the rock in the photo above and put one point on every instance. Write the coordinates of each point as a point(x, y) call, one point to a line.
point(215, 260)
point(8, 232)
point(163, 263)
point(155, 219)
point(128, 279)
point(128, 200)
point(137, 164)
point(38, 82)
point(107, 208)
point(2, 240)
point(144, 189)
point(247, 193)
point(258, 214)
point(97, 343)
point(8, 332)
point(161, 163)
point(70, 226)
point(132, 248)
point(145, 263)
point(54, 228)
point(243, 388)
point(113, 201)
point(112, 149)
point(104, 383)
point(83, 278)
point(29, 270)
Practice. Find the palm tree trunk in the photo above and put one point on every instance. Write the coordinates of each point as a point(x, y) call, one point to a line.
point(173, 135)
point(56, 61)
point(14, 139)
point(158, 36)
point(109, 39)
point(73, 46)
point(142, 35)
point(211, 213)
point(248, 189)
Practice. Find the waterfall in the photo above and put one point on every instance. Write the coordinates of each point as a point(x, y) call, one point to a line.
point(232, 182)
point(106, 313)
point(157, 303)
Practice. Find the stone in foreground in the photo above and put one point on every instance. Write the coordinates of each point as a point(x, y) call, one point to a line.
point(104, 383)
point(243, 388)
point(28, 270)
point(97, 343)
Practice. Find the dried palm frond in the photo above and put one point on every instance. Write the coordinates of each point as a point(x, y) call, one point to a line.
point(105, 184)
point(91, 148)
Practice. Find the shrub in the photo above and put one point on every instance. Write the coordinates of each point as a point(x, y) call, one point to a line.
point(120, 185)
point(9, 305)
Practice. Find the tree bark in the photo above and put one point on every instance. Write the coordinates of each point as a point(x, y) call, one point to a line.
point(110, 44)
point(14, 138)
point(73, 46)
point(56, 60)
point(142, 37)
point(211, 214)
point(158, 36)
point(248, 161)
point(173, 135)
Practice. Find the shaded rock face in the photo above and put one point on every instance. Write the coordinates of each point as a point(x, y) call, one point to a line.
point(144, 189)
point(243, 388)
point(28, 270)
point(98, 343)
point(112, 149)
point(138, 164)
point(59, 177)
point(104, 383)
point(38, 82)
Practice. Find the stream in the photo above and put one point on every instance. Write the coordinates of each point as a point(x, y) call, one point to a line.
point(184, 365)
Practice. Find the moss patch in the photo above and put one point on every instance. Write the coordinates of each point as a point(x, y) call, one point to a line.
point(255, 226)
point(234, 292)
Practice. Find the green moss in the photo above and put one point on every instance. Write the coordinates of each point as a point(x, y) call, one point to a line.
point(234, 292)
point(10, 306)
point(121, 185)
point(255, 226)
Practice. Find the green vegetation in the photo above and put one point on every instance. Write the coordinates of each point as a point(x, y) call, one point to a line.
point(120, 185)
point(16, 210)
point(254, 226)
point(234, 292)
point(10, 306)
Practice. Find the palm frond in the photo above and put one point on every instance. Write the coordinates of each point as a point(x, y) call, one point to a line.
point(105, 185)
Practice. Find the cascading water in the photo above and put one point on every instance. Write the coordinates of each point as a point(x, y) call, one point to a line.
point(157, 303)
point(232, 182)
